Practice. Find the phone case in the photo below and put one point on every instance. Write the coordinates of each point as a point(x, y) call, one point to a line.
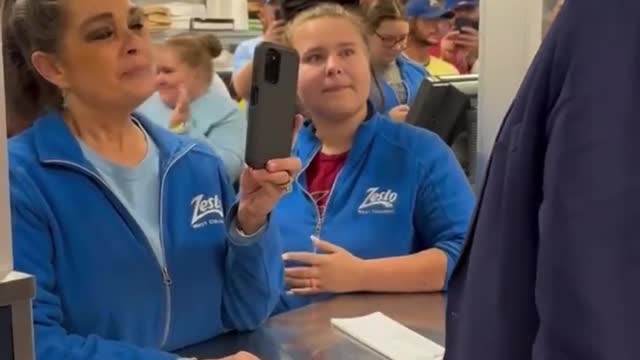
point(272, 107)
point(461, 22)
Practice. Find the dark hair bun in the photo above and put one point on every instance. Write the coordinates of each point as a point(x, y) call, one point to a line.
point(212, 44)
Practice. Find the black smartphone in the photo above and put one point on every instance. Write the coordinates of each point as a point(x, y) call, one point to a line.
point(461, 22)
point(272, 104)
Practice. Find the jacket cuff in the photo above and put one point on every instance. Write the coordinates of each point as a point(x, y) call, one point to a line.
point(237, 236)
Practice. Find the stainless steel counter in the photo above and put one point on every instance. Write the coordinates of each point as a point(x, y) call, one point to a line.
point(307, 333)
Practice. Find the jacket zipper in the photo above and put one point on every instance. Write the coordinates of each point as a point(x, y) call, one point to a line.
point(408, 90)
point(380, 88)
point(319, 216)
point(165, 274)
point(164, 270)
point(326, 207)
point(316, 230)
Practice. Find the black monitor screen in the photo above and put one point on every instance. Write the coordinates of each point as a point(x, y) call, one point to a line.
point(448, 112)
point(440, 108)
point(6, 334)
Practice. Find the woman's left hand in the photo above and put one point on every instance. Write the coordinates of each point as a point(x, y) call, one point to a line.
point(399, 113)
point(261, 189)
point(335, 270)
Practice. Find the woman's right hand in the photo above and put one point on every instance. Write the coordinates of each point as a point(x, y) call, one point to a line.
point(181, 111)
point(399, 113)
point(260, 190)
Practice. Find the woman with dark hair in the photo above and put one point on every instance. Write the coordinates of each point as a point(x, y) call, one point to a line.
point(132, 232)
point(19, 109)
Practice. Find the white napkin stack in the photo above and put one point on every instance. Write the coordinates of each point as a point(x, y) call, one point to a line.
point(389, 338)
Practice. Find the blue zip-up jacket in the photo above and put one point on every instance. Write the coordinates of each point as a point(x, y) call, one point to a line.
point(101, 293)
point(552, 263)
point(412, 75)
point(400, 191)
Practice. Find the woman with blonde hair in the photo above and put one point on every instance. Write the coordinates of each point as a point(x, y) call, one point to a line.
point(380, 206)
point(186, 102)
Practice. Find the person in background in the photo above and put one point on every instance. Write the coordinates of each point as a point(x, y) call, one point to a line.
point(381, 206)
point(427, 21)
point(186, 103)
point(274, 16)
point(551, 263)
point(133, 233)
point(460, 46)
point(219, 87)
point(273, 27)
point(396, 78)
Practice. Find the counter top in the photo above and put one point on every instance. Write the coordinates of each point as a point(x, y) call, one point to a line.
point(307, 333)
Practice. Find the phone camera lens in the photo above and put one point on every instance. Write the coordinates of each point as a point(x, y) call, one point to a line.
point(272, 66)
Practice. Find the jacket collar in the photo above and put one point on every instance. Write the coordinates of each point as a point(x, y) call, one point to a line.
point(401, 61)
point(308, 144)
point(55, 142)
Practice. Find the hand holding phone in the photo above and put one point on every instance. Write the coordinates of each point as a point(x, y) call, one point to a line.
point(461, 22)
point(468, 37)
point(271, 120)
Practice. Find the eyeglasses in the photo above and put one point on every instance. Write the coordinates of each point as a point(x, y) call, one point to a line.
point(390, 40)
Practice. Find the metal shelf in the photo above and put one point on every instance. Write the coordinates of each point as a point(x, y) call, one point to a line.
point(227, 37)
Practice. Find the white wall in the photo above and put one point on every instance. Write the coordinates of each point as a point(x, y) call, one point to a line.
point(510, 35)
point(6, 262)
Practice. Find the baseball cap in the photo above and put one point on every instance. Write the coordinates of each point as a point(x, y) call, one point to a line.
point(452, 4)
point(427, 9)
